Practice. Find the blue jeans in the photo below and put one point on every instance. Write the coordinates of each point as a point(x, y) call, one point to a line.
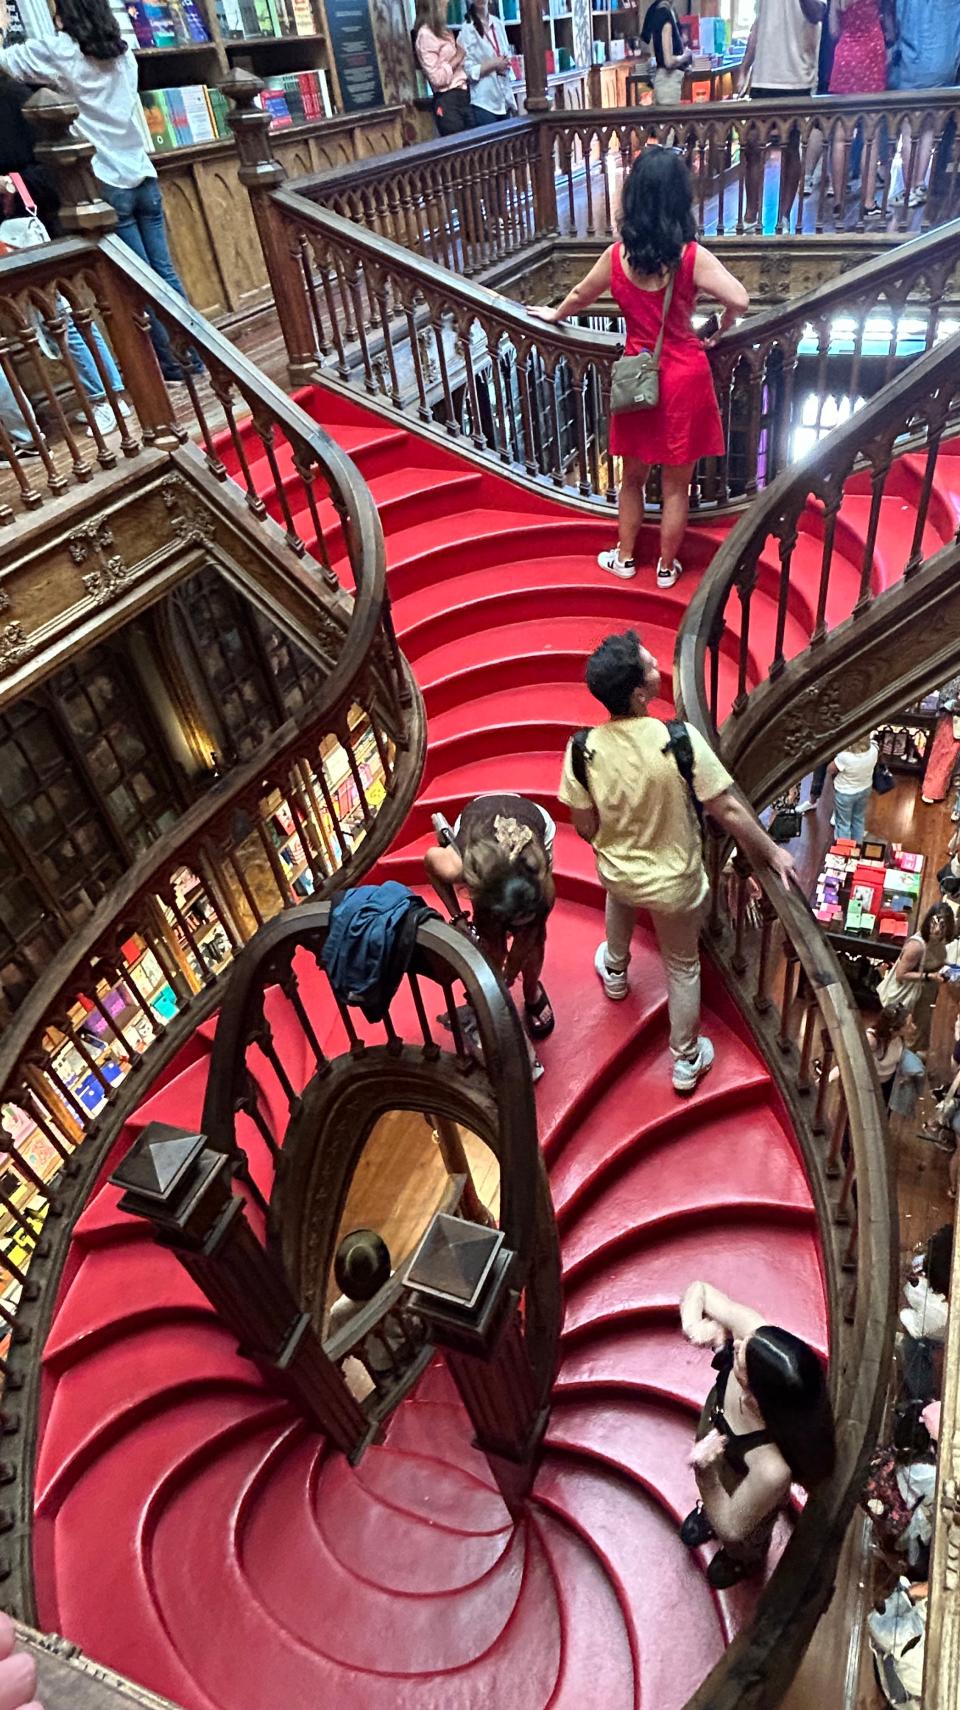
point(86, 367)
point(141, 226)
point(850, 814)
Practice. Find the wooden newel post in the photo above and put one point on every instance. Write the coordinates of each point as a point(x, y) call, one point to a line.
point(68, 156)
point(537, 102)
point(460, 1284)
point(185, 1189)
point(260, 173)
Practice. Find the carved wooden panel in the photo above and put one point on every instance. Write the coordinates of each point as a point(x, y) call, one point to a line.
point(391, 29)
point(236, 245)
point(191, 247)
point(328, 152)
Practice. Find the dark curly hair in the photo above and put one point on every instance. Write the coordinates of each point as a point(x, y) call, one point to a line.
point(92, 26)
point(656, 212)
point(614, 670)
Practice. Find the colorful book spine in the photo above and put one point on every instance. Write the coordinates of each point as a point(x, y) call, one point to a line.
point(154, 112)
point(291, 90)
point(229, 18)
point(193, 19)
point(200, 126)
point(274, 103)
point(249, 19)
point(137, 14)
point(178, 116)
point(304, 22)
point(161, 23)
point(219, 108)
point(266, 18)
point(326, 105)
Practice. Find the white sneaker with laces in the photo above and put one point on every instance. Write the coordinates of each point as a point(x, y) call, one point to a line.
point(668, 574)
point(105, 419)
point(617, 566)
point(615, 982)
point(687, 1071)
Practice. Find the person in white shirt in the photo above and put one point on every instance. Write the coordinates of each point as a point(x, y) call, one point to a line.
point(852, 771)
point(89, 61)
point(782, 53)
point(487, 65)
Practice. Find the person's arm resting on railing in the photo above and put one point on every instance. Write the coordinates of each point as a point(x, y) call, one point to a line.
point(715, 281)
point(748, 834)
point(596, 282)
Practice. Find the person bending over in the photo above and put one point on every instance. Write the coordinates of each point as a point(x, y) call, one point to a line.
point(765, 1425)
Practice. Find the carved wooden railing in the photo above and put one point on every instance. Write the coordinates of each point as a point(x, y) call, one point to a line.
point(592, 149)
point(532, 398)
point(69, 1680)
point(941, 1657)
point(841, 654)
point(422, 1056)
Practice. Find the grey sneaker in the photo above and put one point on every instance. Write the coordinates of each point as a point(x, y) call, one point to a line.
point(616, 985)
point(687, 1071)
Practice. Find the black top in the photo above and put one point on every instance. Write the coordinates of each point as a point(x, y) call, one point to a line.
point(657, 15)
point(739, 1443)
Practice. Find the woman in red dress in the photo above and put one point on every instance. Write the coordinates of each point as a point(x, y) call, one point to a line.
point(657, 231)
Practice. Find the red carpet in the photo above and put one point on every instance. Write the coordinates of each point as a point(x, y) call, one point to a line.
point(189, 1530)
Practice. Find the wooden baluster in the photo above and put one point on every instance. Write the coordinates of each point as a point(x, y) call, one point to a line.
point(380, 295)
point(413, 339)
point(831, 508)
point(301, 822)
point(451, 424)
point(849, 1260)
point(477, 434)
point(431, 1049)
point(593, 381)
point(810, 1018)
point(935, 427)
point(741, 870)
point(502, 416)
point(302, 256)
point(787, 546)
point(347, 739)
point(38, 1113)
point(284, 890)
point(768, 923)
point(819, 1122)
point(307, 470)
point(328, 802)
point(354, 288)
point(307, 780)
point(190, 939)
point(248, 896)
point(842, 1212)
point(713, 853)
point(556, 460)
point(329, 276)
point(878, 480)
point(526, 411)
point(791, 965)
point(588, 185)
point(837, 1136)
point(745, 585)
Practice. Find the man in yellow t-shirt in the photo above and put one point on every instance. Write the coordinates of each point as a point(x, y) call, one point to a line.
point(638, 814)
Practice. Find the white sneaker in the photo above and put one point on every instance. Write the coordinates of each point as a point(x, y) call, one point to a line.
point(751, 228)
point(687, 1071)
point(668, 574)
point(808, 184)
point(615, 984)
point(617, 566)
point(105, 419)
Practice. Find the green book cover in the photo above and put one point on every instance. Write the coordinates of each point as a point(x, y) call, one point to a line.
point(158, 123)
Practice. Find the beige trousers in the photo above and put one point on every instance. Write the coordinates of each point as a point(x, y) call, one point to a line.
point(678, 936)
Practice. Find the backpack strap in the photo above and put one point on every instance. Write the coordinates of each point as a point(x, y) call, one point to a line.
point(579, 755)
point(680, 746)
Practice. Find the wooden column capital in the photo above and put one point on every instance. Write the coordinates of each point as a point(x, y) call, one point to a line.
point(69, 158)
point(250, 124)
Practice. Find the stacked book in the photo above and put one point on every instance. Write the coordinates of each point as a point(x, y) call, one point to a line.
point(166, 23)
point(175, 118)
point(242, 20)
point(296, 98)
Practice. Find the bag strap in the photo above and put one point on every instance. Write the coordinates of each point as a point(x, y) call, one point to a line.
point(667, 300)
point(22, 191)
point(678, 744)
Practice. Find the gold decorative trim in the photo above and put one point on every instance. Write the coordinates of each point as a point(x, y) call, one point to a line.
point(15, 647)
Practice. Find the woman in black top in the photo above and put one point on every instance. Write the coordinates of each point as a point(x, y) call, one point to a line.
point(661, 31)
point(765, 1425)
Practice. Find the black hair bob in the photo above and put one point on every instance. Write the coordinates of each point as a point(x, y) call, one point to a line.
point(788, 1384)
point(362, 1264)
point(656, 213)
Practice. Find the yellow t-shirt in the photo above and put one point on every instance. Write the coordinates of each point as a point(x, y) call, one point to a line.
point(648, 844)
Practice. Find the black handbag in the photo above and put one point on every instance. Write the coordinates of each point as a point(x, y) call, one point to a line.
point(883, 779)
point(786, 825)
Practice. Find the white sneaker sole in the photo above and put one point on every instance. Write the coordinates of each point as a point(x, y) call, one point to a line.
point(599, 964)
point(624, 571)
point(706, 1064)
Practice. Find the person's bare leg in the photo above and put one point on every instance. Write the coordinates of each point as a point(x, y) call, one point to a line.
point(839, 169)
point(812, 154)
point(633, 481)
point(675, 509)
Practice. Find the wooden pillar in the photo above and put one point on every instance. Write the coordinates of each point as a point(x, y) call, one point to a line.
point(260, 174)
point(479, 1325)
point(173, 1180)
point(534, 48)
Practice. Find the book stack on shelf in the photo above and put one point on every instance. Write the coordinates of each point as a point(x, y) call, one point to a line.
point(184, 48)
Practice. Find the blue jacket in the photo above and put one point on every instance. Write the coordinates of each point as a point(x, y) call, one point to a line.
point(370, 943)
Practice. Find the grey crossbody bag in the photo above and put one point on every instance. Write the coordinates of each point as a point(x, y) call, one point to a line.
point(635, 383)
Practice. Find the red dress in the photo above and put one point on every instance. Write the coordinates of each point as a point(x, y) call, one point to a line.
point(860, 62)
point(686, 423)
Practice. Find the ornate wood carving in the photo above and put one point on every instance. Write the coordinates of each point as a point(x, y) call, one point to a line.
point(15, 647)
point(69, 1680)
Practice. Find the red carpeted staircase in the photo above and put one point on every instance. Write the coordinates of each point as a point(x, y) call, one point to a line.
point(190, 1531)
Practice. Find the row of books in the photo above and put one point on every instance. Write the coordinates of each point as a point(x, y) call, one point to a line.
point(166, 23)
point(192, 113)
point(241, 19)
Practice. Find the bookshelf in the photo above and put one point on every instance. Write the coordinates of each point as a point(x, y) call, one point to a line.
point(184, 47)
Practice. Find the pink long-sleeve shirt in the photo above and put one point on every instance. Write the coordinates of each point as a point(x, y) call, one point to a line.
point(438, 59)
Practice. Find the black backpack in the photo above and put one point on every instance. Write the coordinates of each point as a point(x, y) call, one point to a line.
point(678, 744)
